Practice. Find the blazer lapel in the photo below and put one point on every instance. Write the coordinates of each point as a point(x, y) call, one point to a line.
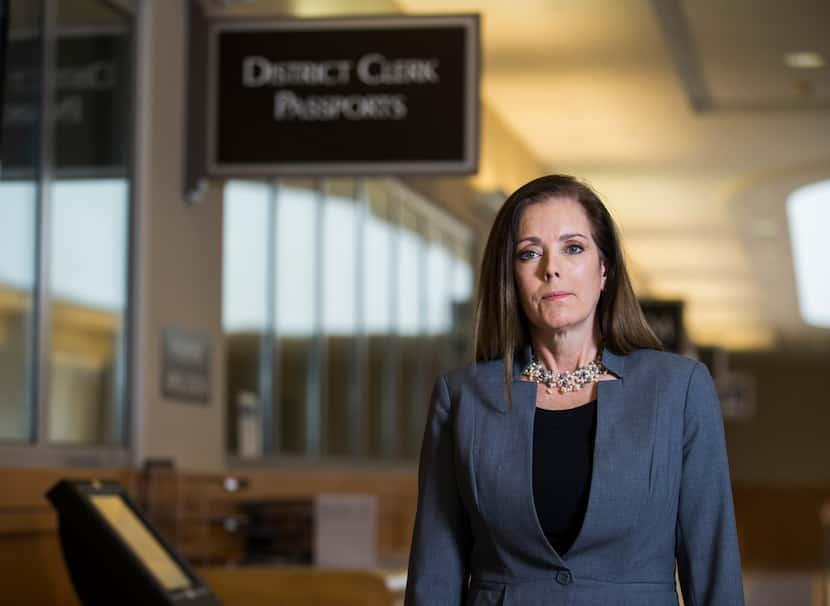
point(503, 456)
point(502, 468)
point(626, 412)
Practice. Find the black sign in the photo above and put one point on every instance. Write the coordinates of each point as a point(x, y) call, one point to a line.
point(90, 112)
point(4, 33)
point(21, 106)
point(392, 95)
point(666, 320)
point(716, 360)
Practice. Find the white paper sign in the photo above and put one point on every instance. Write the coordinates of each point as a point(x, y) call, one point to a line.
point(345, 531)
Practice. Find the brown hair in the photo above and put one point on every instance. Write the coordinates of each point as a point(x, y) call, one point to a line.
point(501, 326)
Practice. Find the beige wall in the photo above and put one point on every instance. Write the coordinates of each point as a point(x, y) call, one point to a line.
point(179, 256)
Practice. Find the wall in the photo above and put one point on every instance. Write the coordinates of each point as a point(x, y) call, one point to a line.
point(179, 256)
point(778, 461)
point(788, 440)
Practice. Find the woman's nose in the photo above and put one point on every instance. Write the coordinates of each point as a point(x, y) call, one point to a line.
point(549, 267)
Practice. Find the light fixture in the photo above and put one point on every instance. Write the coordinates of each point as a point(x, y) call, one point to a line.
point(808, 215)
point(804, 60)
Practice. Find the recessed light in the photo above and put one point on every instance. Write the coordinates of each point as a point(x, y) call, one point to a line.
point(804, 60)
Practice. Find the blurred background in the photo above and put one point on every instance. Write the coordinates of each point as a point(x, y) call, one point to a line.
point(314, 313)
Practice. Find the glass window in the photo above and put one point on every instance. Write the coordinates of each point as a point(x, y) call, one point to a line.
point(379, 271)
point(65, 220)
point(247, 214)
point(88, 242)
point(87, 210)
point(463, 289)
point(341, 416)
point(17, 281)
point(352, 304)
point(808, 215)
point(296, 317)
point(245, 232)
point(439, 324)
point(410, 328)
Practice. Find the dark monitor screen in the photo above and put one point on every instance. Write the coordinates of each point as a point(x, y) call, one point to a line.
point(114, 556)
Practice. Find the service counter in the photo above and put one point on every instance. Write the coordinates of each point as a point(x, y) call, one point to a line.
point(304, 586)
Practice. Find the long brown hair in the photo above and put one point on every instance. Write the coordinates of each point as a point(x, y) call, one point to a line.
point(501, 326)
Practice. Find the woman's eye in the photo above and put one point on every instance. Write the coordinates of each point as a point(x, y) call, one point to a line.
point(527, 254)
point(574, 249)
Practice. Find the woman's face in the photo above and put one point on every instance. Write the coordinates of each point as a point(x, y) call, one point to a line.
point(559, 273)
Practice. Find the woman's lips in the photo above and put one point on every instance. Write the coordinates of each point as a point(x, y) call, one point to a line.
point(556, 295)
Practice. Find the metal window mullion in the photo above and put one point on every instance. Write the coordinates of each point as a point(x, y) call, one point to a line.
point(391, 373)
point(422, 330)
point(43, 221)
point(469, 329)
point(447, 360)
point(124, 379)
point(266, 378)
point(118, 422)
point(360, 341)
point(275, 422)
point(316, 370)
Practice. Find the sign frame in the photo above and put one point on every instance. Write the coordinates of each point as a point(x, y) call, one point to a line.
point(174, 365)
point(467, 165)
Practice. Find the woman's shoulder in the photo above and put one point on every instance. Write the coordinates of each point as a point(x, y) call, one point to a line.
point(677, 374)
point(479, 378)
point(653, 360)
point(475, 372)
point(475, 384)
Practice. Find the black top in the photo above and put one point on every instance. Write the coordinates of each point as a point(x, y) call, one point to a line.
point(563, 454)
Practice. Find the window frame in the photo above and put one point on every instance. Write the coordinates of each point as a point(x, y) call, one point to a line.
point(34, 450)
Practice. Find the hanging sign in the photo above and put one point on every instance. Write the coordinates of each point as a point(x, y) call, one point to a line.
point(89, 112)
point(353, 96)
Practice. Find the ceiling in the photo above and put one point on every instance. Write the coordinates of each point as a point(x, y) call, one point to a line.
point(685, 118)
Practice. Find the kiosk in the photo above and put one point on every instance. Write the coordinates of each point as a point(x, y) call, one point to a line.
point(114, 556)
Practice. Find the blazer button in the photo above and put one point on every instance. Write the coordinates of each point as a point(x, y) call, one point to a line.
point(564, 577)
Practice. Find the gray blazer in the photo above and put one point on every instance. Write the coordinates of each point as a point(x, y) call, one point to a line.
point(660, 492)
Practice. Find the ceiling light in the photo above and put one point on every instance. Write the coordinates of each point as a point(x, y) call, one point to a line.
point(804, 60)
point(808, 214)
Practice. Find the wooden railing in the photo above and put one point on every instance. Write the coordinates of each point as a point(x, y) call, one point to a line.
point(188, 509)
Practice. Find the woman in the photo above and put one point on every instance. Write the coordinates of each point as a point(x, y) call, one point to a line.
point(573, 463)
